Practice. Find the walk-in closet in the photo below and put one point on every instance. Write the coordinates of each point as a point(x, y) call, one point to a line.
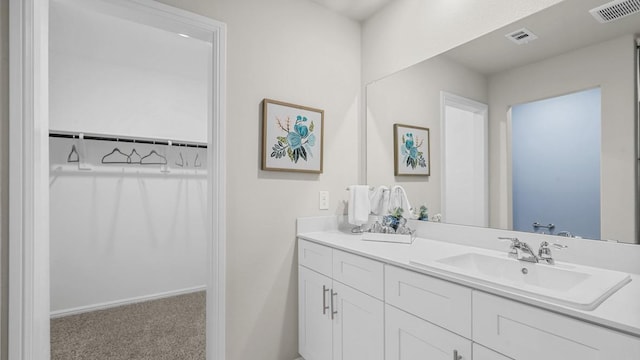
point(129, 103)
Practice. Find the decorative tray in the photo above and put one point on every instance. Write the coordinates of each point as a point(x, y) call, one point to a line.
point(389, 237)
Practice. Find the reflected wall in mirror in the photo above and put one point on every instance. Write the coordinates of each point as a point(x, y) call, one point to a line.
point(573, 53)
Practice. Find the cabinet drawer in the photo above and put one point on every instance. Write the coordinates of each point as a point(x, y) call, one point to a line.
point(437, 301)
point(315, 257)
point(482, 353)
point(359, 272)
point(525, 332)
point(410, 338)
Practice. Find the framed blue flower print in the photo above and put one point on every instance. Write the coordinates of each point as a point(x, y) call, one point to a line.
point(292, 137)
point(411, 150)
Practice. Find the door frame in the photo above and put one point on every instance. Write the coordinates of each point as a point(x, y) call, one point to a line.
point(29, 312)
point(460, 102)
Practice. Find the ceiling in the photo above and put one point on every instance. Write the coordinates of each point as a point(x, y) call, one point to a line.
point(358, 10)
point(563, 27)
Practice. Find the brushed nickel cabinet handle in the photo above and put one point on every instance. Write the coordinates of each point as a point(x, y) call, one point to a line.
point(325, 307)
point(456, 356)
point(333, 310)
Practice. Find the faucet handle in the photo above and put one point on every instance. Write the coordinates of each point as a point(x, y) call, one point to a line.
point(513, 248)
point(546, 245)
point(514, 240)
point(559, 246)
point(544, 253)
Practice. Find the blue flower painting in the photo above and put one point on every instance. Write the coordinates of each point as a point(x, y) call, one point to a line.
point(297, 142)
point(292, 137)
point(411, 150)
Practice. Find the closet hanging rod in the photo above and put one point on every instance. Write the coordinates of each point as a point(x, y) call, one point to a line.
point(126, 139)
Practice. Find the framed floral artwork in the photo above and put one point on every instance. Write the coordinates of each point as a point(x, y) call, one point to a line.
point(411, 150)
point(292, 137)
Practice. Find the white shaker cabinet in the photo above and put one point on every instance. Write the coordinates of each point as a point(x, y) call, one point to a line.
point(356, 308)
point(339, 321)
point(525, 332)
point(315, 257)
point(411, 338)
point(482, 353)
point(314, 315)
point(440, 302)
point(358, 332)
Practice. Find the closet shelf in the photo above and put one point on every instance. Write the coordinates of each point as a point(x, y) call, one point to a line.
point(127, 139)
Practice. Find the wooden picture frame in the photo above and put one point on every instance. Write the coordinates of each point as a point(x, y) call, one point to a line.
point(411, 150)
point(292, 137)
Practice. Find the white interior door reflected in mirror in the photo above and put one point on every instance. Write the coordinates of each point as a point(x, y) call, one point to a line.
point(464, 161)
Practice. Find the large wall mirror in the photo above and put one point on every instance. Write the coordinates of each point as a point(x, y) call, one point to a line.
point(540, 136)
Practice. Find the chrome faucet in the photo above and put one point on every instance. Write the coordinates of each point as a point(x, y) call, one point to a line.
point(520, 250)
point(544, 253)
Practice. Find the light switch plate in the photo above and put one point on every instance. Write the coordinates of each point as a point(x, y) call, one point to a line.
point(323, 200)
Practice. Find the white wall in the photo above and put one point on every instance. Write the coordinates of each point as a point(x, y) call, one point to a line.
point(412, 97)
point(409, 31)
point(299, 52)
point(4, 176)
point(609, 65)
point(120, 232)
point(113, 76)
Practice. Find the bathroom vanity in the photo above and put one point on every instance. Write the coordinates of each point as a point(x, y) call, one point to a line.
point(373, 300)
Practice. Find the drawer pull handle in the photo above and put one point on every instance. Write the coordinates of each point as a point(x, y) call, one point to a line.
point(325, 307)
point(456, 356)
point(333, 310)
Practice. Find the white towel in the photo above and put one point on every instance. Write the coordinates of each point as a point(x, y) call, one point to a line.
point(359, 204)
point(380, 201)
point(398, 199)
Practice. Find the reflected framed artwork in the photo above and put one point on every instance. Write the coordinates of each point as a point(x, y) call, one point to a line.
point(411, 150)
point(292, 137)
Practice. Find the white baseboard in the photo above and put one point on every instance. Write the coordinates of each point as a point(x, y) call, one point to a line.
point(111, 304)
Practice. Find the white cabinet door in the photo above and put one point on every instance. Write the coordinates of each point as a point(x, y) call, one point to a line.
point(525, 332)
point(437, 301)
point(358, 325)
point(482, 353)
point(314, 322)
point(410, 338)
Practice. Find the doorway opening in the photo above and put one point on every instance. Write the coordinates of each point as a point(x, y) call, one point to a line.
point(555, 165)
point(100, 117)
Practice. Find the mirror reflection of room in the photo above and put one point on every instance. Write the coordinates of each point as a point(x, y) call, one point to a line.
point(555, 165)
point(128, 185)
point(510, 78)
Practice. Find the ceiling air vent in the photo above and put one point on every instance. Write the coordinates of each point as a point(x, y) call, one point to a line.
point(521, 36)
point(615, 10)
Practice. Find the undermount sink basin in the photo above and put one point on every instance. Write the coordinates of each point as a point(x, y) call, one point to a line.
point(580, 287)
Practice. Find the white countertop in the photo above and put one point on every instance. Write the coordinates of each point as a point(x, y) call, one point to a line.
point(621, 311)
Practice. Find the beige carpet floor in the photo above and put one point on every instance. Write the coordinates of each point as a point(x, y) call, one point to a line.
point(171, 328)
